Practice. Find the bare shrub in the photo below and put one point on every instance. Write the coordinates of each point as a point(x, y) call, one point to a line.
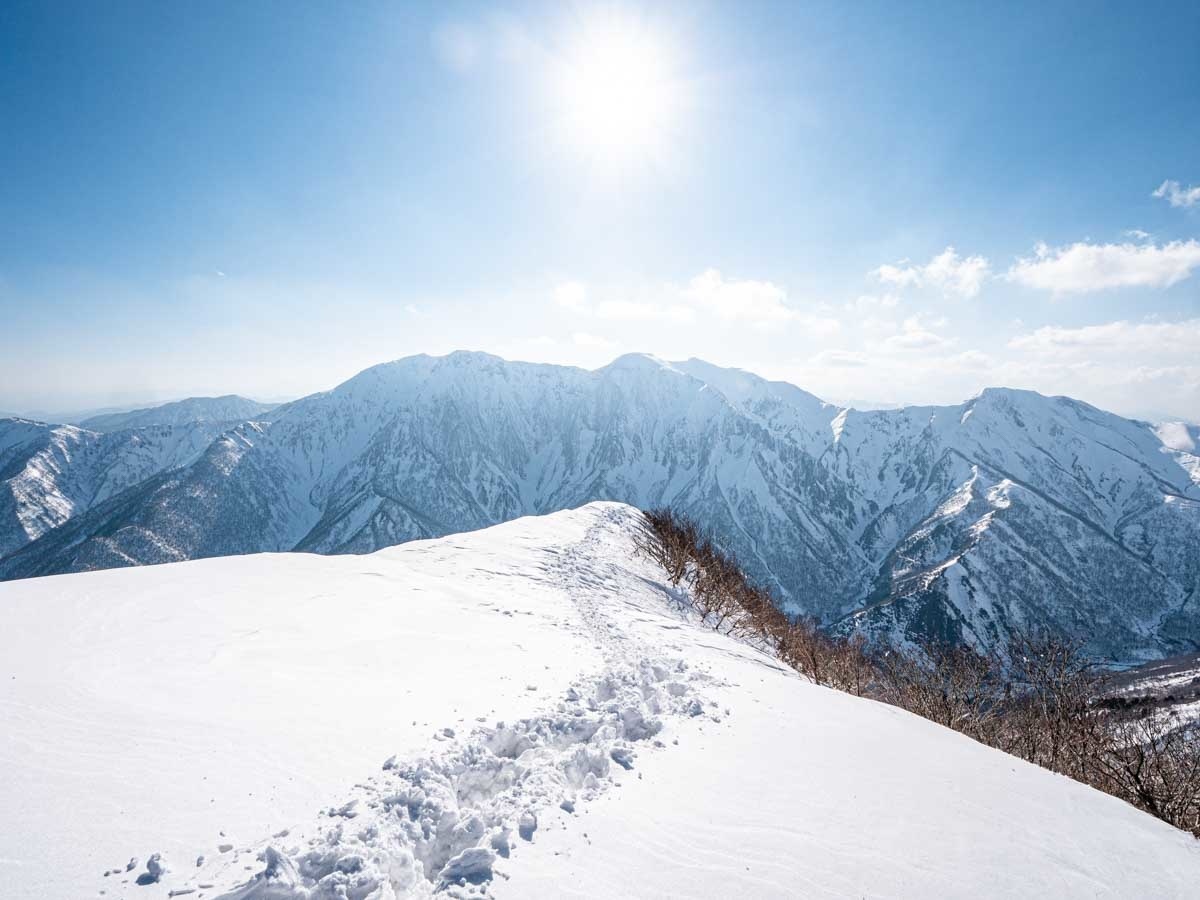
point(1154, 766)
point(1051, 718)
point(1039, 701)
point(955, 686)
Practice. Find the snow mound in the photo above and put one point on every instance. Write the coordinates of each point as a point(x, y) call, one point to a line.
point(524, 711)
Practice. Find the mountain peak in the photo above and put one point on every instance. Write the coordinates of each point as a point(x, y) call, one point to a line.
point(471, 357)
point(835, 511)
point(638, 362)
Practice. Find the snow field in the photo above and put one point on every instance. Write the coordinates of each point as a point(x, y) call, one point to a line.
point(521, 712)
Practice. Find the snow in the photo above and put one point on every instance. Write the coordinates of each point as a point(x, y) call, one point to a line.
point(150, 709)
point(52, 473)
point(1178, 436)
point(229, 409)
point(826, 505)
point(1181, 440)
point(526, 710)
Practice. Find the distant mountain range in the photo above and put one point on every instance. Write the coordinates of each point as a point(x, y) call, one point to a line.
point(1011, 510)
point(230, 408)
point(111, 418)
point(50, 474)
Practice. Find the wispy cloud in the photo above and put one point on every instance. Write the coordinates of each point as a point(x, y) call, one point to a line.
point(583, 339)
point(755, 301)
point(1143, 383)
point(871, 303)
point(634, 311)
point(1083, 267)
point(842, 359)
point(708, 296)
point(1177, 195)
point(1146, 368)
point(948, 272)
point(1122, 337)
point(575, 297)
point(917, 334)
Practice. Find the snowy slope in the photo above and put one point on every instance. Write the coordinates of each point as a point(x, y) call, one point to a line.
point(1009, 510)
point(335, 722)
point(1182, 440)
point(229, 409)
point(1167, 689)
point(52, 473)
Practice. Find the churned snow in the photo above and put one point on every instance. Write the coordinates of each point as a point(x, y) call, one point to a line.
point(524, 711)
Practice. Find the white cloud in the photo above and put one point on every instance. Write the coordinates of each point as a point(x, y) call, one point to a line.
point(948, 272)
point(1124, 338)
point(1177, 195)
point(1083, 267)
point(754, 301)
point(571, 295)
point(575, 296)
point(708, 296)
point(1132, 384)
point(914, 334)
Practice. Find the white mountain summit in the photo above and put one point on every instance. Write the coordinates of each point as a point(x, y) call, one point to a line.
point(1011, 509)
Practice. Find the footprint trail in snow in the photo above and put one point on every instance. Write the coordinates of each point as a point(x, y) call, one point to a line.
point(444, 824)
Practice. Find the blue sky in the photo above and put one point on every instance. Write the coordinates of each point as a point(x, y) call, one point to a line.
point(879, 202)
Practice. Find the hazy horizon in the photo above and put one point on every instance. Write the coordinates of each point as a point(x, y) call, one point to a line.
point(134, 401)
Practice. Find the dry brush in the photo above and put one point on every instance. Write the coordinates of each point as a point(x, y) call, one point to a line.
point(1039, 701)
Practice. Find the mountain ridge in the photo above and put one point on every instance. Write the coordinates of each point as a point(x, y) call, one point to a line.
point(51, 473)
point(1008, 511)
point(229, 408)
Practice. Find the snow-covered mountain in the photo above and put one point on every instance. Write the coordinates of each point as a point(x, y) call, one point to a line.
point(230, 409)
point(1168, 689)
point(523, 712)
point(51, 473)
point(1011, 509)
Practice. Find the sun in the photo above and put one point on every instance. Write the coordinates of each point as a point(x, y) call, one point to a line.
point(619, 91)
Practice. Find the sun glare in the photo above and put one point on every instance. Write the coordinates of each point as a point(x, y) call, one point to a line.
point(620, 97)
